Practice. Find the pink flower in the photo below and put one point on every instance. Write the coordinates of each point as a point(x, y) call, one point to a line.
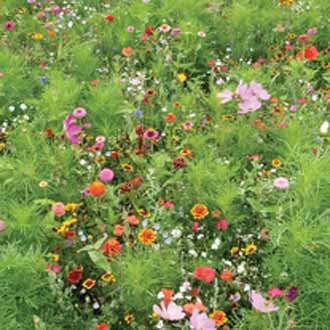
point(222, 224)
point(56, 10)
point(130, 29)
point(195, 227)
point(2, 226)
point(261, 304)
point(56, 269)
point(281, 183)
point(151, 134)
point(10, 25)
point(58, 209)
point(106, 175)
point(172, 312)
point(303, 38)
point(168, 205)
point(79, 112)
point(312, 31)
point(200, 321)
point(204, 274)
point(225, 96)
point(100, 139)
point(275, 292)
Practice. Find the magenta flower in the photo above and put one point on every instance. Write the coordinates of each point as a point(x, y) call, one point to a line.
point(151, 134)
point(275, 292)
point(79, 113)
point(10, 25)
point(200, 321)
point(261, 304)
point(106, 175)
point(281, 183)
point(71, 133)
point(291, 294)
point(172, 312)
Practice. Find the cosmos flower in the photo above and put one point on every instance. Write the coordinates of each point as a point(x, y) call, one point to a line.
point(261, 304)
point(200, 321)
point(172, 312)
point(281, 183)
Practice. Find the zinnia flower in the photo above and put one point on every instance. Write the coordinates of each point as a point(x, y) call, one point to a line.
point(111, 247)
point(204, 274)
point(97, 188)
point(102, 326)
point(281, 183)
point(58, 209)
point(79, 112)
point(106, 175)
point(199, 211)
point(310, 53)
point(75, 276)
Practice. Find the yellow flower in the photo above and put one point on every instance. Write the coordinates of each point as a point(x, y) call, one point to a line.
point(147, 236)
point(234, 250)
point(2, 146)
point(127, 167)
point(129, 318)
point(108, 277)
point(69, 223)
point(219, 317)
point(182, 77)
point(72, 206)
point(276, 163)
point(155, 316)
point(37, 36)
point(89, 284)
point(199, 211)
point(250, 249)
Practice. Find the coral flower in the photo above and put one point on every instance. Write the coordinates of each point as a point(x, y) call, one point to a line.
point(133, 220)
point(226, 276)
point(204, 274)
point(58, 209)
point(118, 230)
point(199, 211)
point(310, 53)
point(219, 317)
point(189, 308)
point(170, 118)
point(111, 247)
point(147, 236)
point(97, 188)
point(127, 51)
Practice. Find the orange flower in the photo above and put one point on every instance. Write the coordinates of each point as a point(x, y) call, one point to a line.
point(111, 247)
point(185, 153)
point(219, 317)
point(199, 211)
point(216, 214)
point(147, 236)
point(226, 276)
point(51, 34)
point(189, 308)
point(102, 326)
point(133, 220)
point(127, 51)
point(97, 188)
point(170, 118)
point(118, 230)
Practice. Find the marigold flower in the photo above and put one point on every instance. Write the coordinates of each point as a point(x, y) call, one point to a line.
point(89, 284)
point(147, 236)
point(199, 211)
point(219, 317)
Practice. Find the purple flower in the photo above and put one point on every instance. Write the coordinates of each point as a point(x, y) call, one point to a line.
point(281, 183)
point(79, 113)
point(172, 312)
point(261, 304)
point(151, 134)
point(291, 294)
point(200, 321)
point(106, 175)
point(138, 113)
point(44, 79)
point(10, 25)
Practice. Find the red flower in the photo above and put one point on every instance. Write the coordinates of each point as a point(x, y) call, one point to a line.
point(310, 53)
point(109, 18)
point(222, 224)
point(102, 326)
point(205, 274)
point(75, 276)
point(111, 247)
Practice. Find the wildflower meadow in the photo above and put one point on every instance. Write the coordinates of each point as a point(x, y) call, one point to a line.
point(164, 164)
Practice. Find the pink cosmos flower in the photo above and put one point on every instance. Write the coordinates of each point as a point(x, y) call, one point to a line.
point(275, 292)
point(281, 183)
point(10, 25)
point(106, 175)
point(200, 321)
point(79, 112)
point(312, 31)
point(100, 139)
point(172, 312)
point(58, 209)
point(225, 96)
point(261, 304)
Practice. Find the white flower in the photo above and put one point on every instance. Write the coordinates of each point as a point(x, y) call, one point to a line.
point(176, 233)
point(324, 127)
point(193, 253)
point(23, 106)
point(241, 268)
point(11, 108)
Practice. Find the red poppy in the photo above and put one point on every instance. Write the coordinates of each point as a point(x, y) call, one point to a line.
point(204, 274)
point(75, 276)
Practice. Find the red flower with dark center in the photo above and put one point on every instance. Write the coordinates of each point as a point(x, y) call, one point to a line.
point(75, 276)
